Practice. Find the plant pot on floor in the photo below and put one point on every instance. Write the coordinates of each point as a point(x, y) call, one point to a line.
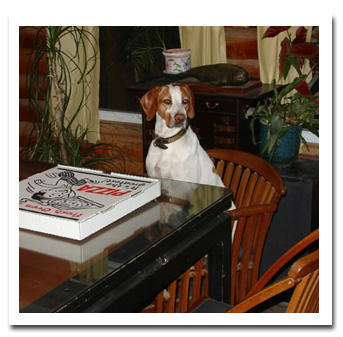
point(288, 146)
point(177, 60)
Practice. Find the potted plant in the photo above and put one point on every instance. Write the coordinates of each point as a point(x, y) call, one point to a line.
point(146, 46)
point(177, 60)
point(52, 138)
point(293, 107)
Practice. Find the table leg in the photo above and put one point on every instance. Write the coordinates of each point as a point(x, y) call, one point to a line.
point(219, 266)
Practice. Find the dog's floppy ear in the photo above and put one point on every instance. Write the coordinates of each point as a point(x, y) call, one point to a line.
point(191, 111)
point(149, 102)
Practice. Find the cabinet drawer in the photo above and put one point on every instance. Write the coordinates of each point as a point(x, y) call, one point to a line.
point(216, 130)
point(214, 104)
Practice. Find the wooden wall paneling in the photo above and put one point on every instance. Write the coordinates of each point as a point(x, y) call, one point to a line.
point(241, 48)
point(128, 138)
point(26, 46)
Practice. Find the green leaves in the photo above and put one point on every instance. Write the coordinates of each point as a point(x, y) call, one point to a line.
point(274, 130)
point(52, 138)
point(283, 113)
point(293, 104)
point(144, 48)
point(291, 61)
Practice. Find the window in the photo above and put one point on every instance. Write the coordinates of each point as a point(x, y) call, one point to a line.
point(117, 66)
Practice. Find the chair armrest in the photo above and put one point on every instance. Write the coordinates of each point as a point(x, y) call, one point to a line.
point(251, 210)
point(263, 295)
point(285, 258)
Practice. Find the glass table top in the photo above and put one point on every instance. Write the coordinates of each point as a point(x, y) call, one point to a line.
point(47, 262)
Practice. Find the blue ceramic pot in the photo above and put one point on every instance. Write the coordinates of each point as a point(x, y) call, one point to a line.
point(288, 148)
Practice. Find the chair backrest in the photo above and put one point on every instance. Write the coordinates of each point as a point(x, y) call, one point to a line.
point(257, 189)
point(252, 180)
point(303, 276)
point(180, 294)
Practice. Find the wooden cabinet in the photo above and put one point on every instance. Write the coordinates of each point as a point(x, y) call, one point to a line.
point(219, 116)
point(216, 122)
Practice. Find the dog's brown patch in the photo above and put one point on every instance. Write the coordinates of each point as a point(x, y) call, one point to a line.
point(149, 102)
point(186, 92)
point(163, 97)
point(162, 107)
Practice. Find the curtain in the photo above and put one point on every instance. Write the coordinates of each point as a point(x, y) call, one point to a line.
point(207, 43)
point(268, 55)
point(88, 116)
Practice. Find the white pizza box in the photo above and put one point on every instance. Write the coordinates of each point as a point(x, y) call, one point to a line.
point(115, 234)
point(75, 202)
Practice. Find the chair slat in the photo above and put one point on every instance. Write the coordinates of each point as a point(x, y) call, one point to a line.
point(247, 197)
point(305, 295)
point(246, 251)
point(266, 192)
point(220, 168)
point(228, 174)
point(257, 197)
point(159, 302)
point(198, 267)
point(242, 188)
point(235, 250)
point(262, 228)
point(205, 279)
point(235, 180)
point(270, 195)
point(184, 291)
point(172, 293)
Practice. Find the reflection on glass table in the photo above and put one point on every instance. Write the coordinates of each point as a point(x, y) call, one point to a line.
point(55, 271)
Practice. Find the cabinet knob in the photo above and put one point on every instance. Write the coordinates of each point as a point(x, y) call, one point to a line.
point(211, 106)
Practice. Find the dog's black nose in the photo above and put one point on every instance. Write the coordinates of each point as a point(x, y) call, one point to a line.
point(180, 118)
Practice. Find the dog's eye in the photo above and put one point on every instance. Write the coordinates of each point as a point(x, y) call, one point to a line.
point(167, 101)
point(185, 101)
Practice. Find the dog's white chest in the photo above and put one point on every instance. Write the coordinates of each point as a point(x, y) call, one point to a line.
point(173, 162)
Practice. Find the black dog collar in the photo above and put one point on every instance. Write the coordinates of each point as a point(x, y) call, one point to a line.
point(161, 141)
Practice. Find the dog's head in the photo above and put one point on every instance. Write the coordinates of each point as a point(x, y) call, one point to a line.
point(173, 103)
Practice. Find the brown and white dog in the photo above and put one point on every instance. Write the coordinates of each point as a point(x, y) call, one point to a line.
point(176, 153)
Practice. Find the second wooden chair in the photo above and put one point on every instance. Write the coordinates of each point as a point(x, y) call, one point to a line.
point(303, 278)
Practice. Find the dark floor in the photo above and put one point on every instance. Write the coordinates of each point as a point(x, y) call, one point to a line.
point(277, 304)
point(276, 308)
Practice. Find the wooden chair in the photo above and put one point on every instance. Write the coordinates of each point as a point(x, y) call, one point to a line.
point(257, 189)
point(303, 277)
point(183, 292)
